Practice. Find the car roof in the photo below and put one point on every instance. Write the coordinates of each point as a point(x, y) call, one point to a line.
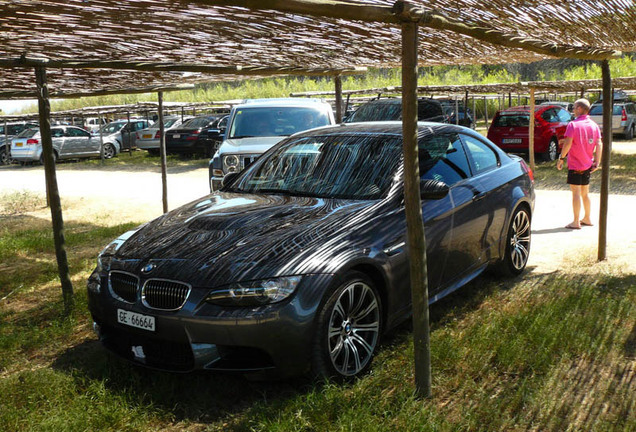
point(526, 109)
point(385, 128)
point(280, 102)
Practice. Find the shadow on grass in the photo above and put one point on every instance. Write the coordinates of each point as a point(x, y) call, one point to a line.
point(201, 396)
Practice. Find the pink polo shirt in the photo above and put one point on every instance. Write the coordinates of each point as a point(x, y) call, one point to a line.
point(585, 133)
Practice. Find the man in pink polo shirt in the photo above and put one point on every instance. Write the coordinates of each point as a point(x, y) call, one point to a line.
point(582, 137)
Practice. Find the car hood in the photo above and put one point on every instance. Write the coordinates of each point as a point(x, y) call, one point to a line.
point(226, 237)
point(249, 145)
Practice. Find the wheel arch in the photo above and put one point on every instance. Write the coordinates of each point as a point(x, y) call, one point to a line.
point(379, 279)
point(523, 202)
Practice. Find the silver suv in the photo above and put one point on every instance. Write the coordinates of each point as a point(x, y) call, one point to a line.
point(257, 125)
point(623, 118)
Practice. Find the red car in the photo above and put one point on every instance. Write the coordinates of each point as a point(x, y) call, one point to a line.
point(509, 129)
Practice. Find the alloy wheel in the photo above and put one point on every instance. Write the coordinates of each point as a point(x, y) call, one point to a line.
point(354, 327)
point(520, 240)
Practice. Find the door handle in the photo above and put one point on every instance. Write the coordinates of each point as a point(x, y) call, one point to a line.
point(478, 196)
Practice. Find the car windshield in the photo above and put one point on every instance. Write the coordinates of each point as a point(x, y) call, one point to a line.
point(167, 123)
point(512, 120)
point(598, 110)
point(113, 127)
point(197, 123)
point(377, 112)
point(271, 121)
point(348, 167)
point(28, 133)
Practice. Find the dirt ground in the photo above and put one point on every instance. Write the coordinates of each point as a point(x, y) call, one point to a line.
point(114, 196)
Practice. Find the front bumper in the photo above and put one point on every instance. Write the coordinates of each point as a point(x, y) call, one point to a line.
point(205, 336)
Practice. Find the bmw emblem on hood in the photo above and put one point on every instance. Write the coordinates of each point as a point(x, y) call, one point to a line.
point(148, 268)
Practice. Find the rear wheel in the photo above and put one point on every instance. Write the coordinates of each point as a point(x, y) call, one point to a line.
point(553, 150)
point(517, 244)
point(42, 158)
point(348, 331)
point(153, 152)
point(629, 134)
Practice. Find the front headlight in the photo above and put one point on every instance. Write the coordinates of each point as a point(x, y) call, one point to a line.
point(230, 163)
point(255, 293)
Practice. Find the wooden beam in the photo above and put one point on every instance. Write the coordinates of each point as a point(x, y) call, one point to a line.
point(531, 132)
point(416, 240)
point(44, 108)
point(338, 84)
point(176, 67)
point(608, 103)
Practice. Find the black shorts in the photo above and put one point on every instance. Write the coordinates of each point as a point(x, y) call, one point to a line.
point(580, 178)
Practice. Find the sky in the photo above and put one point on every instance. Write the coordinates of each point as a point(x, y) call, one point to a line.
point(10, 106)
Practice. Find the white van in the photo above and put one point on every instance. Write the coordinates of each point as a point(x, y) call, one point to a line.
point(256, 125)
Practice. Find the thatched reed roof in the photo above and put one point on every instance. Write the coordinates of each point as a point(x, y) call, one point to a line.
point(223, 34)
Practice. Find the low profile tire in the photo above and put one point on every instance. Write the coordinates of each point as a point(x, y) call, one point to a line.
point(553, 151)
point(109, 151)
point(348, 329)
point(517, 244)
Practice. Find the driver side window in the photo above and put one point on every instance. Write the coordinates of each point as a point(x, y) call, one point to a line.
point(442, 158)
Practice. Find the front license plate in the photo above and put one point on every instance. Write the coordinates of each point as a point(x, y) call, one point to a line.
point(511, 141)
point(176, 136)
point(133, 319)
point(147, 136)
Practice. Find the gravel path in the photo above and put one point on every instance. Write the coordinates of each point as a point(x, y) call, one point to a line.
point(112, 197)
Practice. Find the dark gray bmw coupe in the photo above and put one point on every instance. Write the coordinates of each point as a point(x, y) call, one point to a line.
point(299, 264)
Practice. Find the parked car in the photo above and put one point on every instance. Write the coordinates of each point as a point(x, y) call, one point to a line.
point(120, 134)
point(256, 125)
point(509, 129)
point(192, 136)
point(69, 142)
point(466, 117)
point(623, 118)
point(92, 124)
point(300, 262)
point(569, 106)
point(390, 109)
point(148, 139)
point(12, 130)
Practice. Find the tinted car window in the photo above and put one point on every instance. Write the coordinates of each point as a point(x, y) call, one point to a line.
point(442, 158)
point(72, 132)
point(28, 133)
point(512, 120)
point(482, 157)
point(598, 110)
point(551, 116)
point(56, 133)
point(113, 127)
point(196, 123)
point(275, 121)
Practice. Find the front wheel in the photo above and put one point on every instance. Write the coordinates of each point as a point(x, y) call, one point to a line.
point(517, 244)
point(348, 330)
point(5, 157)
point(109, 151)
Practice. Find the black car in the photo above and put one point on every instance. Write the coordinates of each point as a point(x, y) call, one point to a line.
point(451, 108)
point(300, 262)
point(200, 135)
point(390, 109)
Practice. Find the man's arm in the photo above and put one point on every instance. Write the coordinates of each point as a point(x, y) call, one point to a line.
point(596, 163)
point(567, 144)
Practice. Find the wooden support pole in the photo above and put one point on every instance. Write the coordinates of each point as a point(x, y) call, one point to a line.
point(474, 113)
point(416, 240)
point(608, 104)
point(44, 109)
point(162, 151)
point(531, 131)
point(456, 110)
point(486, 111)
point(338, 83)
point(129, 134)
point(101, 138)
point(7, 144)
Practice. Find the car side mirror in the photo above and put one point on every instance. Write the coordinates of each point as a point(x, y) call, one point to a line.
point(433, 189)
point(229, 178)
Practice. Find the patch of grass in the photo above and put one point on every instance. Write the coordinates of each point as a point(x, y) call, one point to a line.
point(623, 175)
point(20, 202)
